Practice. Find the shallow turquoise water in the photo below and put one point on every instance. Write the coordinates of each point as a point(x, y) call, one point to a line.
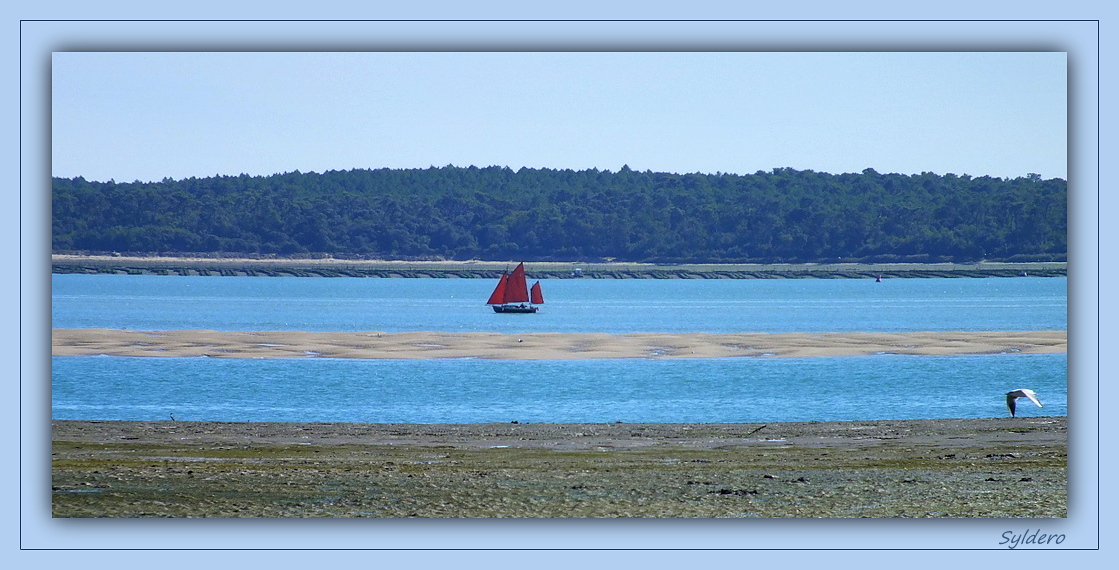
point(629, 390)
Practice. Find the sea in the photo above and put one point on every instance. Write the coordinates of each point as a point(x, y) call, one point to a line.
point(745, 389)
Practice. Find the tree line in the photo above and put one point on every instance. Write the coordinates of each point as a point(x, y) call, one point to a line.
point(496, 213)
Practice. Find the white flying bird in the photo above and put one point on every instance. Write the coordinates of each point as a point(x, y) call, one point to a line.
point(1012, 398)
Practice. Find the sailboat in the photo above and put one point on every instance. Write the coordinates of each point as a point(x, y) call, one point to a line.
point(512, 293)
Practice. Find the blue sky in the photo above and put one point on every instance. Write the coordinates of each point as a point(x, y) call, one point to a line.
point(146, 116)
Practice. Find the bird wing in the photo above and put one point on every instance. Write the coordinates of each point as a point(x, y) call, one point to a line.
point(1033, 397)
point(1011, 401)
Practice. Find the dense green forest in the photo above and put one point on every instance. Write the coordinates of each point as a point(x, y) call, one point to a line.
point(496, 213)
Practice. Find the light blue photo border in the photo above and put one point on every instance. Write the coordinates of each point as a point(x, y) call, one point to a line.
point(593, 540)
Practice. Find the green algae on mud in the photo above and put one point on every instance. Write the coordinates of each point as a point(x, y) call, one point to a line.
point(920, 468)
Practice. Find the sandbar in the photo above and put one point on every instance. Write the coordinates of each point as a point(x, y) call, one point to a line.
point(542, 346)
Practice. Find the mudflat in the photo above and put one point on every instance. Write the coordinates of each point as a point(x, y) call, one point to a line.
point(550, 346)
point(964, 468)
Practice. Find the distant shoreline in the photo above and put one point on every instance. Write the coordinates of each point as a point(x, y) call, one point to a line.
point(542, 346)
point(331, 267)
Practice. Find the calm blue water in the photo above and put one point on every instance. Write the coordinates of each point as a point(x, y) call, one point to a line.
point(470, 391)
point(630, 390)
point(147, 302)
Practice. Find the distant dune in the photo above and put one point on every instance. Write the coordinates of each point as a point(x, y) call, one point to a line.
point(331, 267)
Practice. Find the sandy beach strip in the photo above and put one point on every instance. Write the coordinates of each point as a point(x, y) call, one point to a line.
point(541, 346)
point(328, 266)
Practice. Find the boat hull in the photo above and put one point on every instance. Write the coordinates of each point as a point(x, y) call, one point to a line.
point(514, 309)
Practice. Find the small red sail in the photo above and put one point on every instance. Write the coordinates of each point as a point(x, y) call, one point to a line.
point(498, 295)
point(537, 297)
point(516, 287)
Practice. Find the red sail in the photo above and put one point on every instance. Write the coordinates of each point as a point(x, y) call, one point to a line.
point(498, 295)
point(537, 296)
point(516, 287)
